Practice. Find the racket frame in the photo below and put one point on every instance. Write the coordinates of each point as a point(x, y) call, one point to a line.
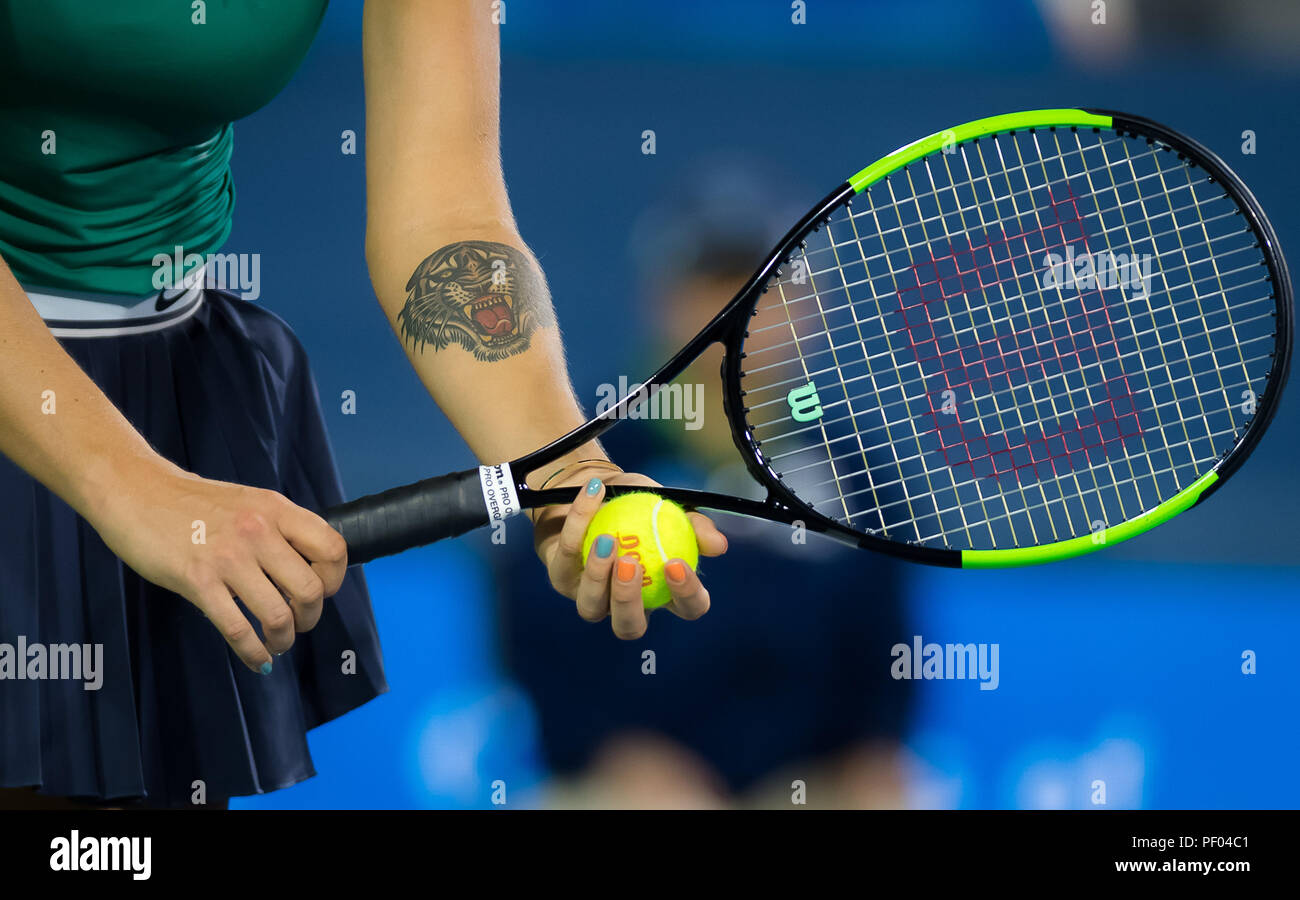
point(728, 328)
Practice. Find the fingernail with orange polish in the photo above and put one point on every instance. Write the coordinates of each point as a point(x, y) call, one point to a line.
point(676, 571)
point(626, 570)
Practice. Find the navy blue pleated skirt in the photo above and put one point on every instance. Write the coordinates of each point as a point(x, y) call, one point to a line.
point(228, 394)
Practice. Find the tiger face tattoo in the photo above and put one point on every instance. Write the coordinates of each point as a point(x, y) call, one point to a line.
point(487, 297)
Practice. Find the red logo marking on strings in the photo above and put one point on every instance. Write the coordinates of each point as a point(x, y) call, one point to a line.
point(1062, 344)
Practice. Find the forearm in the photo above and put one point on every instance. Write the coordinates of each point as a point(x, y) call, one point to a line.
point(462, 292)
point(55, 423)
point(470, 306)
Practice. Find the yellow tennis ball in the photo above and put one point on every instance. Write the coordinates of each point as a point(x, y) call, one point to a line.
point(651, 529)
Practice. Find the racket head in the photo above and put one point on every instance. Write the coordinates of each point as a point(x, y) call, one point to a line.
point(922, 370)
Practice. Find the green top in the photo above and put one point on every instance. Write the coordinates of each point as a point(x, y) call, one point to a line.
point(115, 133)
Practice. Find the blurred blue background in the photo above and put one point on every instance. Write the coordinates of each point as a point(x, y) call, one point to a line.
point(1124, 666)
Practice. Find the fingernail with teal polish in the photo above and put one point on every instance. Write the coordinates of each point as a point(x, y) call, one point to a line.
point(593, 487)
point(266, 668)
point(604, 546)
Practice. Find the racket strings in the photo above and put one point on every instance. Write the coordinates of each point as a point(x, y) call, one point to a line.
point(787, 431)
point(1245, 247)
point(1096, 489)
point(779, 347)
point(792, 470)
point(1244, 232)
point(928, 380)
point(934, 219)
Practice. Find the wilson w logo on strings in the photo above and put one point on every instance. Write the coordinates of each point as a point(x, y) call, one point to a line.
point(1021, 379)
point(805, 405)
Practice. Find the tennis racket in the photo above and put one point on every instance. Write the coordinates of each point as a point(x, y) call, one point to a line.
point(1013, 341)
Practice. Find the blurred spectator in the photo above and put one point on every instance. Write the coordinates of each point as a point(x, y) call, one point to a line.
point(787, 676)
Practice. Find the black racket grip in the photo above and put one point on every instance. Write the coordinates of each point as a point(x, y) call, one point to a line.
point(410, 516)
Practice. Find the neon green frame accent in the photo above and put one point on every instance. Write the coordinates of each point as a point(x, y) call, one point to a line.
point(1028, 556)
point(1039, 118)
